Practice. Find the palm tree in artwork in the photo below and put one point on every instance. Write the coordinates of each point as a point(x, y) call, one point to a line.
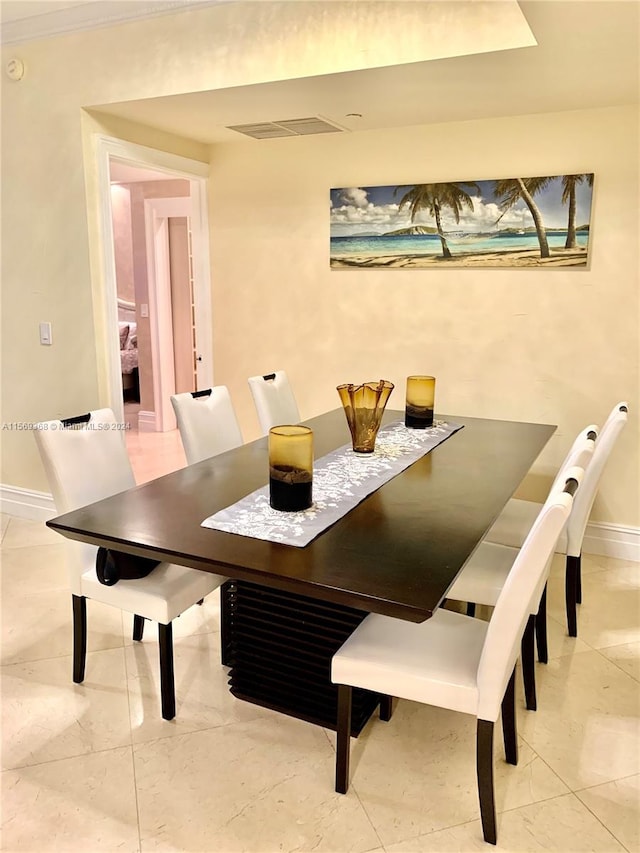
point(434, 198)
point(569, 184)
point(511, 190)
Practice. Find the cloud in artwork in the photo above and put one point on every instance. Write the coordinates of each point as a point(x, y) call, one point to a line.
point(352, 213)
point(354, 197)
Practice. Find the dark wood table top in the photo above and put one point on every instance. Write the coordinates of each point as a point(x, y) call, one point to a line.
point(396, 553)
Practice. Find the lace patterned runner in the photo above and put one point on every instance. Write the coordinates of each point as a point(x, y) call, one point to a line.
point(341, 479)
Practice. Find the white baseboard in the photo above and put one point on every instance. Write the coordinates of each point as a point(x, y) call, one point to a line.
point(606, 540)
point(612, 540)
point(147, 421)
point(25, 503)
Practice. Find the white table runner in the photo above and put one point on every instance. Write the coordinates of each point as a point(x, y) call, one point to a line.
point(341, 479)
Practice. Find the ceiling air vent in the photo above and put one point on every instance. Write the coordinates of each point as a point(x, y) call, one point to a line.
point(288, 127)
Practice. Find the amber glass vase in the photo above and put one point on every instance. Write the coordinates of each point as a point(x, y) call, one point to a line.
point(364, 406)
point(290, 468)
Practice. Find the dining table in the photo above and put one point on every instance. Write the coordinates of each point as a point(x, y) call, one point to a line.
point(286, 610)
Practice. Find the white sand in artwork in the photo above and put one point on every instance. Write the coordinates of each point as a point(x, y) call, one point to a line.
point(523, 258)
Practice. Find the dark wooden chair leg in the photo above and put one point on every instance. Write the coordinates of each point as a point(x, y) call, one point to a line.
point(138, 627)
point(579, 579)
point(509, 732)
point(528, 664)
point(343, 732)
point(471, 608)
point(484, 770)
point(386, 708)
point(571, 582)
point(541, 629)
point(167, 685)
point(79, 637)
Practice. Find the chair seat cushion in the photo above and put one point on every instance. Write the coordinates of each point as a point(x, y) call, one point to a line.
point(514, 523)
point(161, 596)
point(434, 662)
point(484, 574)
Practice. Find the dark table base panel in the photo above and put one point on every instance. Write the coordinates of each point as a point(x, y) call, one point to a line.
point(279, 646)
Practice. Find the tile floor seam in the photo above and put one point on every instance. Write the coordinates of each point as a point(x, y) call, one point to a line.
point(608, 659)
point(57, 657)
point(608, 829)
point(366, 814)
point(49, 761)
point(576, 797)
point(549, 768)
point(195, 731)
point(610, 782)
point(573, 651)
point(613, 646)
point(132, 745)
point(444, 829)
point(465, 822)
point(567, 793)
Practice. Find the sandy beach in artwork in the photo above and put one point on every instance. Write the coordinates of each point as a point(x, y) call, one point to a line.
point(515, 258)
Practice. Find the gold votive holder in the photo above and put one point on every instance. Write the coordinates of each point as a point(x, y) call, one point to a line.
point(290, 468)
point(421, 392)
point(364, 406)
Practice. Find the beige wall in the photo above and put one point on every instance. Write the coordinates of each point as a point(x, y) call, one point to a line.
point(122, 242)
point(559, 346)
point(502, 343)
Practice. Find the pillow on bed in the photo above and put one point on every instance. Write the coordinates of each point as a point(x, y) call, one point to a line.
point(124, 334)
point(132, 340)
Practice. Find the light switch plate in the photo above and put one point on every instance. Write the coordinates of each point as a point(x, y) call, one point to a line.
point(45, 334)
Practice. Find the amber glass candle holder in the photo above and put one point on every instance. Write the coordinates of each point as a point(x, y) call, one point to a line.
point(290, 468)
point(364, 406)
point(421, 393)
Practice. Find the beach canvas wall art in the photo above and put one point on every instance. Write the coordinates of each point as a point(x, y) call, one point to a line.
point(538, 222)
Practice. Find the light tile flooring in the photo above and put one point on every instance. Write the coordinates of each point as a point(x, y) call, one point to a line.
point(152, 454)
point(93, 767)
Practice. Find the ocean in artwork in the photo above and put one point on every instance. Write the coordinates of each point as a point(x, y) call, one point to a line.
point(429, 244)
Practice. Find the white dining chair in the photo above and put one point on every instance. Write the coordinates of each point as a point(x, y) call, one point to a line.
point(453, 661)
point(513, 524)
point(274, 400)
point(207, 422)
point(486, 572)
point(85, 460)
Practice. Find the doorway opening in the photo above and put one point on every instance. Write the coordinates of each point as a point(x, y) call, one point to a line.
point(157, 302)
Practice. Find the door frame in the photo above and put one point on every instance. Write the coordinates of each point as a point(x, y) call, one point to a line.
point(175, 166)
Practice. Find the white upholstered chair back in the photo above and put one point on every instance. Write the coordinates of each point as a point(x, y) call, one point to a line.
point(207, 422)
point(585, 497)
point(580, 454)
point(84, 463)
point(510, 615)
point(274, 400)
